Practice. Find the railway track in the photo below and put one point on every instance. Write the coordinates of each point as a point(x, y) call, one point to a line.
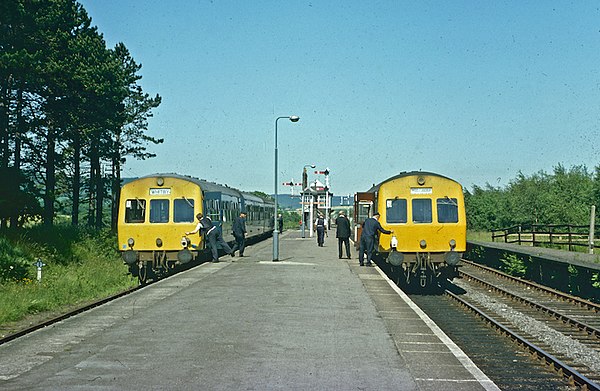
point(561, 330)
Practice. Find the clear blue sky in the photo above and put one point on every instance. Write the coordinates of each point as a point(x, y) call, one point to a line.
point(476, 91)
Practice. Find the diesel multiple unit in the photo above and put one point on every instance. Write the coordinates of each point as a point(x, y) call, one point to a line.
point(155, 211)
point(426, 213)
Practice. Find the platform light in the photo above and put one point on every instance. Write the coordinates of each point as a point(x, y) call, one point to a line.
point(293, 118)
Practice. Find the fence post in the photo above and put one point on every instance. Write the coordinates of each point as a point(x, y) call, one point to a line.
point(519, 236)
point(592, 225)
point(570, 239)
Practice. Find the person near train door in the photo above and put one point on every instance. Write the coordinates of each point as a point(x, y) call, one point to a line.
point(342, 233)
point(212, 235)
point(239, 233)
point(321, 228)
point(368, 237)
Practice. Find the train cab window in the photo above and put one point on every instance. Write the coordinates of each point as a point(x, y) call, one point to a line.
point(159, 211)
point(183, 211)
point(395, 211)
point(447, 210)
point(135, 211)
point(421, 210)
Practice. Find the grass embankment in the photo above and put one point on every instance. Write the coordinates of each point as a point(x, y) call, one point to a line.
point(479, 236)
point(81, 266)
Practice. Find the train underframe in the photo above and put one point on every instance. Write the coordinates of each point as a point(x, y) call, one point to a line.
point(150, 266)
point(418, 270)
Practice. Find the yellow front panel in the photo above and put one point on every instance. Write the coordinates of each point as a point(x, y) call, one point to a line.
point(146, 233)
point(409, 234)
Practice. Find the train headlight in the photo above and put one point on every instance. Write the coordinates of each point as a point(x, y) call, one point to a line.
point(130, 242)
point(423, 243)
point(159, 242)
point(452, 258)
point(394, 242)
point(452, 244)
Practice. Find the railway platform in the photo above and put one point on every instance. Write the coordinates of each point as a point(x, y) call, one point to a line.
point(308, 322)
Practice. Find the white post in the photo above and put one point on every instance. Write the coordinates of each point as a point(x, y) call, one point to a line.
point(592, 226)
point(311, 216)
point(39, 265)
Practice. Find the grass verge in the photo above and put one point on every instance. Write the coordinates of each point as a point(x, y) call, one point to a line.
point(81, 266)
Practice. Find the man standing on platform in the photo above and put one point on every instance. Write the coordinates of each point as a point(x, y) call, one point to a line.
point(239, 233)
point(342, 233)
point(367, 238)
point(321, 227)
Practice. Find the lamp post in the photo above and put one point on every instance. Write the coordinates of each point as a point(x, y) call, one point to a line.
point(304, 186)
point(293, 118)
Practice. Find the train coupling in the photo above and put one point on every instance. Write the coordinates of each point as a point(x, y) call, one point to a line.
point(185, 242)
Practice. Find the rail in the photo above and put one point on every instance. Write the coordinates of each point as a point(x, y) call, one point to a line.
point(568, 235)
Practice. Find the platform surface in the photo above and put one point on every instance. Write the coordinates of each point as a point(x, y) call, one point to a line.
point(308, 322)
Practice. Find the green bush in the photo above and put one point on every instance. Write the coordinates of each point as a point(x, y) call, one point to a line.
point(14, 264)
point(513, 265)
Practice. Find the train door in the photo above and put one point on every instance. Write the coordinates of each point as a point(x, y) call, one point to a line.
point(363, 209)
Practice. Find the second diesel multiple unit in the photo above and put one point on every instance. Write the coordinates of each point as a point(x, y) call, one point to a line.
point(426, 213)
point(155, 211)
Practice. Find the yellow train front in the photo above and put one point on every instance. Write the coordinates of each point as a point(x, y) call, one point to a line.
point(155, 212)
point(426, 213)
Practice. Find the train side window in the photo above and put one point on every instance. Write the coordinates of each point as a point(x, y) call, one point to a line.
point(447, 210)
point(395, 211)
point(183, 211)
point(159, 211)
point(421, 210)
point(364, 210)
point(135, 211)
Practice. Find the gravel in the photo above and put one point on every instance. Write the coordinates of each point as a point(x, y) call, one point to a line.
point(559, 342)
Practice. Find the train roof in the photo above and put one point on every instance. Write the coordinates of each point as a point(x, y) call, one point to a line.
point(254, 198)
point(204, 184)
point(407, 174)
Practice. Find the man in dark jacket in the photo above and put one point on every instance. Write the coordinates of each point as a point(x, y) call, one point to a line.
point(342, 233)
point(368, 237)
point(239, 233)
point(212, 236)
point(321, 227)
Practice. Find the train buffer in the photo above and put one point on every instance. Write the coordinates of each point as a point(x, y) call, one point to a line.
point(309, 321)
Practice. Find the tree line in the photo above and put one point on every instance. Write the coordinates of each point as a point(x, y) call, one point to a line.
point(564, 196)
point(71, 112)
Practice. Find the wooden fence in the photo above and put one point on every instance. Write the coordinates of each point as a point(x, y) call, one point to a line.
point(568, 235)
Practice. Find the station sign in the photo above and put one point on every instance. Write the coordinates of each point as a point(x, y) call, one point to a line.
point(160, 192)
point(421, 190)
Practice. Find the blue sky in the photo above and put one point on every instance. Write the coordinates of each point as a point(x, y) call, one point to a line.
point(473, 90)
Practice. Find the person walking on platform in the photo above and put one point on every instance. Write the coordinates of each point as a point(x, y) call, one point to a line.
point(342, 233)
point(280, 223)
point(212, 235)
point(321, 227)
point(368, 237)
point(239, 233)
